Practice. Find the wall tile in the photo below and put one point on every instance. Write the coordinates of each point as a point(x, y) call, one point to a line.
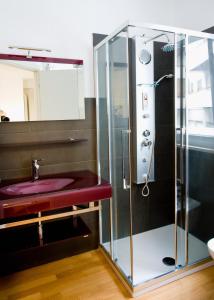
point(15, 162)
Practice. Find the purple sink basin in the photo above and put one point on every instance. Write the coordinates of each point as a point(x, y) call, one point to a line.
point(35, 187)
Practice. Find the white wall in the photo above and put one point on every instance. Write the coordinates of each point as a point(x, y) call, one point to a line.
point(66, 26)
point(194, 14)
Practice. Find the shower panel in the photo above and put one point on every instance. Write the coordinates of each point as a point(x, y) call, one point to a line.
point(144, 111)
point(155, 130)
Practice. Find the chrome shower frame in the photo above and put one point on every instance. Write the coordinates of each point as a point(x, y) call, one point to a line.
point(187, 269)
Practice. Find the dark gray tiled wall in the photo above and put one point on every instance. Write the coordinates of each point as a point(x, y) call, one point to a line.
point(15, 162)
point(201, 189)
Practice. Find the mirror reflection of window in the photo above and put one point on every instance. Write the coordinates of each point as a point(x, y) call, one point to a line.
point(31, 91)
point(58, 94)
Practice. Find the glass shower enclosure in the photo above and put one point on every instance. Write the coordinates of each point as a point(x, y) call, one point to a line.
point(155, 137)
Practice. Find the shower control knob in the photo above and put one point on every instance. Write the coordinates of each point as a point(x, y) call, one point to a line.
point(145, 116)
point(146, 143)
point(146, 133)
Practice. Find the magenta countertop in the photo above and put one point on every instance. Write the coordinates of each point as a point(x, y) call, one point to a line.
point(84, 189)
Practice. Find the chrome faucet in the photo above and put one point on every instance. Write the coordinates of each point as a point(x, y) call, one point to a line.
point(35, 169)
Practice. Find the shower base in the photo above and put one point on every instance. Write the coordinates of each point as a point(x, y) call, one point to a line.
point(149, 249)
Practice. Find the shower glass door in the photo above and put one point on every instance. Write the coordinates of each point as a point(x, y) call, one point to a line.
point(120, 144)
point(103, 143)
point(199, 147)
point(152, 91)
point(180, 127)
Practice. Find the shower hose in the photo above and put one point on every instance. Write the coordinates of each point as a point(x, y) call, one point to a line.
point(145, 189)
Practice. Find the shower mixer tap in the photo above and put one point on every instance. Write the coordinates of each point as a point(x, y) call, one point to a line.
point(147, 143)
point(145, 116)
point(146, 133)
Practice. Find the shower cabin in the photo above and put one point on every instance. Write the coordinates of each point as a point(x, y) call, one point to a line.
point(155, 137)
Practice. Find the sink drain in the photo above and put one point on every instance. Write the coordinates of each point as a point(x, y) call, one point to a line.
point(168, 261)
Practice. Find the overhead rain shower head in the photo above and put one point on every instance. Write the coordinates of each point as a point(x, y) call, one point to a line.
point(169, 47)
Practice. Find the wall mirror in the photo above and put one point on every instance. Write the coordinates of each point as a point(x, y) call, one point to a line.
point(40, 88)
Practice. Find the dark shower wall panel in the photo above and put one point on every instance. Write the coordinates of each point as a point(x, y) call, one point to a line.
point(201, 189)
point(158, 209)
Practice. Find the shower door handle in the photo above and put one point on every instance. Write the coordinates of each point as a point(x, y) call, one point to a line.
point(181, 132)
point(125, 158)
point(182, 155)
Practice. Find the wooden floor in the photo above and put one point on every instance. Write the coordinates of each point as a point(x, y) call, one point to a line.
point(88, 276)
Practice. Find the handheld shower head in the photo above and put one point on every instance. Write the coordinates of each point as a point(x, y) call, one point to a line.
point(168, 76)
point(156, 83)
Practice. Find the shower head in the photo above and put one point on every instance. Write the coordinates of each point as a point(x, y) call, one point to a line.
point(169, 47)
point(156, 83)
point(167, 76)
